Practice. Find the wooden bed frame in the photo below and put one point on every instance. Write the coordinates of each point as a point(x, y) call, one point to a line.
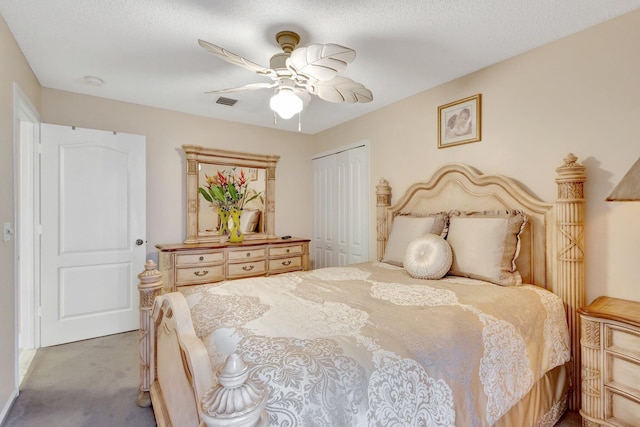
point(175, 373)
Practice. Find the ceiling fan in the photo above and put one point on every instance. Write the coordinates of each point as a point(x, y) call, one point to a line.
point(298, 73)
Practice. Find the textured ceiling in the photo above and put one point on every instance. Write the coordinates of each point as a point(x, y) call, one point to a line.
point(146, 51)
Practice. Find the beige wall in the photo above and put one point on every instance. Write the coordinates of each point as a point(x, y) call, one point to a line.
point(13, 68)
point(580, 94)
point(165, 132)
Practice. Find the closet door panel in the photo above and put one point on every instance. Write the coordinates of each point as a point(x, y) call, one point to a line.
point(358, 206)
point(343, 191)
point(324, 202)
point(341, 208)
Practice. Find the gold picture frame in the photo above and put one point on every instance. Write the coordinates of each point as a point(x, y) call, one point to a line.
point(460, 122)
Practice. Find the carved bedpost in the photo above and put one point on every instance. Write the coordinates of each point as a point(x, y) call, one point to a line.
point(150, 287)
point(383, 201)
point(236, 401)
point(571, 277)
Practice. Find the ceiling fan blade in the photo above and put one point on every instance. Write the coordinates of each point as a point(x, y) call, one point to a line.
point(250, 86)
point(341, 89)
point(236, 60)
point(320, 61)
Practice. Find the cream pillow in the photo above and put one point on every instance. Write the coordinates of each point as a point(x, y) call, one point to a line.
point(406, 228)
point(428, 257)
point(485, 245)
point(249, 220)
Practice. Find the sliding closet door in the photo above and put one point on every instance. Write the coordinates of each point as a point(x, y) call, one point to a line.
point(341, 210)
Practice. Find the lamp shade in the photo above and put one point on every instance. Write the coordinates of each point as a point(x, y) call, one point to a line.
point(286, 103)
point(628, 189)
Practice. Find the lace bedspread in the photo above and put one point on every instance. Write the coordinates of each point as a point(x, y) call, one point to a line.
point(368, 345)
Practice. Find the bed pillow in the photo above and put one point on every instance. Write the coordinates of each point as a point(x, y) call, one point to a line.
point(428, 257)
point(249, 220)
point(406, 228)
point(485, 245)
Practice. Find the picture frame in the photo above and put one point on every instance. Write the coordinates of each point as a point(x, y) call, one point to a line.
point(460, 122)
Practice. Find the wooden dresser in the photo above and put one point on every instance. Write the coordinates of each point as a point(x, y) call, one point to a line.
point(198, 263)
point(610, 342)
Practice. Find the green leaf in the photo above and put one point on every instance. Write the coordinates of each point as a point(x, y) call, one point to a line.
point(217, 193)
point(232, 192)
point(252, 197)
point(206, 195)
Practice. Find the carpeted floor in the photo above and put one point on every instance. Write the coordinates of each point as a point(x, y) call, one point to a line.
point(95, 383)
point(86, 383)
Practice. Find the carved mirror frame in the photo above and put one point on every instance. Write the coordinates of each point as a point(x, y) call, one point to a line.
point(196, 155)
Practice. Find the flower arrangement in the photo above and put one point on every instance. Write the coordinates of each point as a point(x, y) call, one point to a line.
point(227, 190)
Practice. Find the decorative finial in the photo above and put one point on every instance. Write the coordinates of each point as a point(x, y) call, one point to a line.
point(150, 273)
point(570, 159)
point(236, 400)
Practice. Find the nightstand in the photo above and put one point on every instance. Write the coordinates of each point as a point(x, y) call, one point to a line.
point(610, 375)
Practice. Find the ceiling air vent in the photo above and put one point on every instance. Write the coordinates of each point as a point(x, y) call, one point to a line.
point(226, 101)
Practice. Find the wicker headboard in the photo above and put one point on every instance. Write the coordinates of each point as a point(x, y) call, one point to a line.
point(551, 253)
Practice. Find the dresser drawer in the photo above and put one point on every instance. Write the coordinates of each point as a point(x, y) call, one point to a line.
point(285, 264)
point(620, 409)
point(246, 269)
point(202, 274)
point(623, 374)
point(622, 340)
point(199, 258)
point(285, 250)
point(247, 254)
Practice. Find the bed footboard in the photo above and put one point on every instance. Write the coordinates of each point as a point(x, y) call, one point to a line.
point(175, 374)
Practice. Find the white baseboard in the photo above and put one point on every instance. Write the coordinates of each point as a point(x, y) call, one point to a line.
point(7, 405)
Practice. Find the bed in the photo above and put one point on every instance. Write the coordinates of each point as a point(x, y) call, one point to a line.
point(488, 344)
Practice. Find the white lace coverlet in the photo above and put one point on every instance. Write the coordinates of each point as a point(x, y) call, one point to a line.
point(367, 345)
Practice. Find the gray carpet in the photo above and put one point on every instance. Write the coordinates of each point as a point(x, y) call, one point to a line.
point(95, 383)
point(86, 383)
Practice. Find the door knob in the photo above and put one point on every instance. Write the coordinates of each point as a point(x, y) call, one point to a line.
point(139, 242)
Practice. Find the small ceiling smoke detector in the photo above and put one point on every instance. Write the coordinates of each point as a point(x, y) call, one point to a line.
point(93, 81)
point(226, 101)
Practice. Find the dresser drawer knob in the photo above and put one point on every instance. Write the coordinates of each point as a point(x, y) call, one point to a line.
point(247, 267)
point(248, 254)
point(288, 250)
point(201, 258)
point(285, 263)
point(201, 273)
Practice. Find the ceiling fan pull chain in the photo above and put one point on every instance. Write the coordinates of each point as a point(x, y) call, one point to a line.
point(299, 124)
point(275, 120)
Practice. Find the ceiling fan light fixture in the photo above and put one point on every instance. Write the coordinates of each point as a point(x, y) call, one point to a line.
point(286, 103)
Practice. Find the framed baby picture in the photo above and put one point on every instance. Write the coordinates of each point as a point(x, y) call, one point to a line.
point(459, 122)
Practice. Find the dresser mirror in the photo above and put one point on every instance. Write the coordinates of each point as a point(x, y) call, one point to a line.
point(258, 215)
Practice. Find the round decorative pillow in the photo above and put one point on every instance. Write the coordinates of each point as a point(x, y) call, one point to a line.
point(428, 257)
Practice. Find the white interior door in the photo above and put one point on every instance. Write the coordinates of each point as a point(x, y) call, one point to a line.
point(93, 232)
